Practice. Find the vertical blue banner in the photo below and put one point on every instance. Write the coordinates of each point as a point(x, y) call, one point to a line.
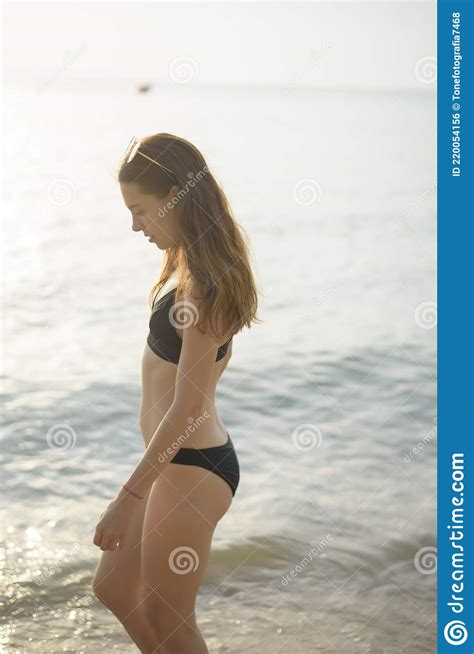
point(455, 34)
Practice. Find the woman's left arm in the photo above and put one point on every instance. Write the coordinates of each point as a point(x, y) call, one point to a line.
point(196, 362)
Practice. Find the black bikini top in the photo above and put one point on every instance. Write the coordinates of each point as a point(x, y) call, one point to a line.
point(162, 337)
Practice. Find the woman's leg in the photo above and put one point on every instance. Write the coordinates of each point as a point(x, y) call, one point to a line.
point(118, 585)
point(185, 504)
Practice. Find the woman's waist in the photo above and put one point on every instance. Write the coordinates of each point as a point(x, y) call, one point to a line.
point(205, 430)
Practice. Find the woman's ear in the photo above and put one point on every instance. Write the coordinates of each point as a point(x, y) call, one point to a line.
point(174, 190)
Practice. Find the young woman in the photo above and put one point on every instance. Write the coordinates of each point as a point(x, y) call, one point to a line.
point(156, 534)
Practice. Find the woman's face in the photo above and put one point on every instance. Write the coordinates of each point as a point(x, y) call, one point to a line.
point(151, 215)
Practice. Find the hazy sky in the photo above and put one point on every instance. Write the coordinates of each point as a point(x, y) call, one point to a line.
point(336, 44)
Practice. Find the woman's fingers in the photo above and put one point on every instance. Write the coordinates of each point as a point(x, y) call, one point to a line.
point(97, 538)
point(109, 542)
point(106, 541)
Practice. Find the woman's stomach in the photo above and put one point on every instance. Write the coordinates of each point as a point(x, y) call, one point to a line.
point(158, 390)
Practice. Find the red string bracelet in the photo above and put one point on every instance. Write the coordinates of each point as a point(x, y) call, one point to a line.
point(130, 491)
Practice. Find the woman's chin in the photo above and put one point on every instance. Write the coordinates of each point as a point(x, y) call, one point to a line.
point(163, 246)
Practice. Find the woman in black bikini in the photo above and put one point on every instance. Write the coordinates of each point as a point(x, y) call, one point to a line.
point(156, 534)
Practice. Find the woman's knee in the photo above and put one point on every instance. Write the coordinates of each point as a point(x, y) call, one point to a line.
point(116, 595)
point(105, 592)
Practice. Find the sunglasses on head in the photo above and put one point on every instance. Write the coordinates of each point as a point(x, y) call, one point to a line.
point(133, 149)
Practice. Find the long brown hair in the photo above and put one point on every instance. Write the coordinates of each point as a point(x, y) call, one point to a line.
point(212, 251)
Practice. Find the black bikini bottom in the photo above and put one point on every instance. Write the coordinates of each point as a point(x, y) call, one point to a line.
point(221, 460)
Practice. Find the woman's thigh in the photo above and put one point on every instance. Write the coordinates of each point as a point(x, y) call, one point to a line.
point(185, 504)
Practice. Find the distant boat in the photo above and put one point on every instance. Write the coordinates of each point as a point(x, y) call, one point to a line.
point(143, 88)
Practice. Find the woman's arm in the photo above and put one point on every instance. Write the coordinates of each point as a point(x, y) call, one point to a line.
point(196, 363)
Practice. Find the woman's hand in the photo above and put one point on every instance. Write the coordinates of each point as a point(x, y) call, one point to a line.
point(112, 530)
